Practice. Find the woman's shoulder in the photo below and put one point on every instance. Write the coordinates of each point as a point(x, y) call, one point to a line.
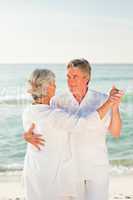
point(34, 114)
point(27, 113)
point(34, 111)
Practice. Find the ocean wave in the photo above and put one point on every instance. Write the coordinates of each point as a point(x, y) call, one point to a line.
point(15, 100)
point(120, 170)
point(11, 168)
point(116, 167)
point(122, 78)
point(114, 170)
point(128, 98)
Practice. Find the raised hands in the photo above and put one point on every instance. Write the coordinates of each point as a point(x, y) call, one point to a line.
point(115, 96)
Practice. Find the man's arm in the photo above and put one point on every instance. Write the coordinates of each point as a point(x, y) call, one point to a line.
point(102, 110)
point(35, 139)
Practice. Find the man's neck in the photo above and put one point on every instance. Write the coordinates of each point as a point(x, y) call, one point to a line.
point(80, 97)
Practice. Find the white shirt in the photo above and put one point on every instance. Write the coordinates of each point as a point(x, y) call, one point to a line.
point(48, 167)
point(89, 143)
point(43, 170)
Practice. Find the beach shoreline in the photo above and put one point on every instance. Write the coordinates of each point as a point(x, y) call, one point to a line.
point(11, 186)
point(121, 187)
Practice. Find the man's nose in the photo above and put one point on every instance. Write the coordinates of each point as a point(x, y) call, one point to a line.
point(72, 82)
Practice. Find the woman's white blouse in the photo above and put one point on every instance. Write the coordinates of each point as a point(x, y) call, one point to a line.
point(53, 170)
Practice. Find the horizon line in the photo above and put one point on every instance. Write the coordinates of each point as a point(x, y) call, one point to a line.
point(1, 63)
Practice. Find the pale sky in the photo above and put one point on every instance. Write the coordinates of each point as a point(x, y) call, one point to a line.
point(40, 31)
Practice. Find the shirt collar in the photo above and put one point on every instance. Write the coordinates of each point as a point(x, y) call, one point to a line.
point(85, 100)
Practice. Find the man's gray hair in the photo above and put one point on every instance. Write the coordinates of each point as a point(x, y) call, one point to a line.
point(82, 64)
point(39, 81)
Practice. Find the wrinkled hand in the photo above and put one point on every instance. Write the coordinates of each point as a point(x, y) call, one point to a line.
point(34, 139)
point(115, 96)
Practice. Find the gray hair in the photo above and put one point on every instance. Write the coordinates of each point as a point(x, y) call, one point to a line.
point(39, 81)
point(82, 64)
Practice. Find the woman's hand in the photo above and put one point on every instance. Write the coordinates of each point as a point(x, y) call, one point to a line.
point(115, 96)
point(34, 139)
point(113, 101)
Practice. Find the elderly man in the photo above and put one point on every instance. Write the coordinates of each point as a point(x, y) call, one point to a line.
point(88, 148)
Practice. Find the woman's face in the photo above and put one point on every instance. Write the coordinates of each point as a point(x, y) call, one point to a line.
point(51, 89)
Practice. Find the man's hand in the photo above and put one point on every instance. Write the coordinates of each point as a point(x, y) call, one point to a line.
point(34, 139)
point(115, 96)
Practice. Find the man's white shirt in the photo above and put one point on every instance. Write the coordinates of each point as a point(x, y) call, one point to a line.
point(88, 144)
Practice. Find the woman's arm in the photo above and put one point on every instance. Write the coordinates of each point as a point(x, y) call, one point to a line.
point(113, 102)
point(116, 123)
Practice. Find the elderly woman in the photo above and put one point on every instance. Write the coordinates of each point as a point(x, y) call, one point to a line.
point(51, 173)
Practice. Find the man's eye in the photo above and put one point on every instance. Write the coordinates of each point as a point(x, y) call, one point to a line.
point(72, 78)
point(75, 77)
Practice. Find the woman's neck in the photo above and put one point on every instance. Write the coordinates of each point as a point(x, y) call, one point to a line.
point(42, 100)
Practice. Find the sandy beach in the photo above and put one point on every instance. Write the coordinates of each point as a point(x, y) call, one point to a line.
point(11, 187)
point(121, 187)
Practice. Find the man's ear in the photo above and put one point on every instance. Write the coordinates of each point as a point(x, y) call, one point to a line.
point(87, 83)
point(89, 78)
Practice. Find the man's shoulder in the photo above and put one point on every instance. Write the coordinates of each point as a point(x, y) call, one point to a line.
point(98, 96)
point(98, 93)
point(63, 95)
point(61, 100)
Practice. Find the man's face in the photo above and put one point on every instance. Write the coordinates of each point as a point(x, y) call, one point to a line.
point(77, 81)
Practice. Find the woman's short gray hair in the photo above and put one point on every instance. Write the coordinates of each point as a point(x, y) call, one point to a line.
point(38, 82)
